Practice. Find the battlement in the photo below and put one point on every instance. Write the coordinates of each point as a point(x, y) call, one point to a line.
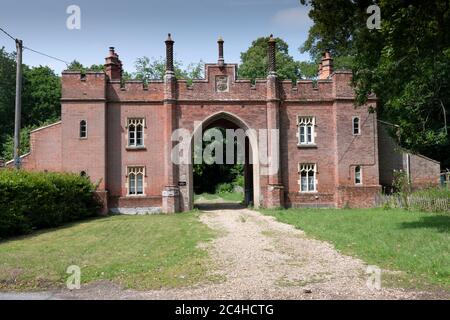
point(306, 90)
point(95, 85)
point(135, 90)
point(221, 83)
point(87, 86)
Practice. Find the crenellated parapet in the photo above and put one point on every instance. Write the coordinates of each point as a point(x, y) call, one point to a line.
point(221, 83)
point(307, 90)
point(83, 86)
point(135, 90)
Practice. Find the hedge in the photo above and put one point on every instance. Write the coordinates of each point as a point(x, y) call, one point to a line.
point(35, 200)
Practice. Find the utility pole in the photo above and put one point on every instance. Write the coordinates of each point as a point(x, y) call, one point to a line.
point(18, 104)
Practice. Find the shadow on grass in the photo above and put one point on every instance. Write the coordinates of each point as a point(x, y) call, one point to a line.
point(439, 222)
point(38, 232)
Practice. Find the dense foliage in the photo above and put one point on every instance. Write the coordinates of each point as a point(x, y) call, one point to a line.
point(214, 177)
point(8, 145)
point(155, 68)
point(406, 63)
point(254, 61)
point(34, 200)
point(41, 96)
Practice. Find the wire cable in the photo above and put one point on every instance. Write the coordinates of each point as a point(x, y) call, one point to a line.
point(48, 56)
point(35, 51)
point(7, 34)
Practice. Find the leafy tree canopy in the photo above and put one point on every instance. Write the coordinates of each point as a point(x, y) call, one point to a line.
point(155, 68)
point(41, 94)
point(78, 66)
point(254, 61)
point(405, 63)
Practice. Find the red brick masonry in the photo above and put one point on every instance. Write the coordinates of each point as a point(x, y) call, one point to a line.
point(101, 100)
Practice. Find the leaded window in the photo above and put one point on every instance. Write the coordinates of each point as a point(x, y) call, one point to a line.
point(135, 132)
point(135, 180)
point(356, 126)
point(306, 130)
point(83, 129)
point(307, 173)
point(358, 175)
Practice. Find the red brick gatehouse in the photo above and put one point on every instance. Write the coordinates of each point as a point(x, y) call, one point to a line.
point(119, 134)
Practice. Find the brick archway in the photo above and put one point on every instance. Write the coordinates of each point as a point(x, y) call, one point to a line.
point(186, 170)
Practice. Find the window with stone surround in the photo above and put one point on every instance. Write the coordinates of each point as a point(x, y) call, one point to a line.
point(83, 129)
point(135, 132)
point(135, 181)
point(307, 172)
point(306, 132)
point(358, 175)
point(356, 126)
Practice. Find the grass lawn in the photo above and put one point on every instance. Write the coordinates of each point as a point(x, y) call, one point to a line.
point(142, 252)
point(226, 196)
point(417, 243)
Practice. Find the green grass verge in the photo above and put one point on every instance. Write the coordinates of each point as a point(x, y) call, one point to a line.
point(141, 252)
point(417, 243)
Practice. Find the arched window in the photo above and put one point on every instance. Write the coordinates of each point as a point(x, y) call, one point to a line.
point(135, 132)
point(356, 126)
point(135, 180)
point(358, 175)
point(307, 177)
point(306, 135)
point(83, 129)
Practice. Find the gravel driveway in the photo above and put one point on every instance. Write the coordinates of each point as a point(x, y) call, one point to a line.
point(257, 258)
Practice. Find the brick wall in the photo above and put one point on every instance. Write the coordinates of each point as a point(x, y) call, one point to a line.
point(423, 171)
point(106, 104)
point(45, 151)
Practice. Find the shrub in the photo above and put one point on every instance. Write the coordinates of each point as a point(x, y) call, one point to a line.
point(402, 186)
point(239, 181)
point(224, 188)
point(34, 200)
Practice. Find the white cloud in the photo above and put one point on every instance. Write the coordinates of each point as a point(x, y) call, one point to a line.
point(292, 18)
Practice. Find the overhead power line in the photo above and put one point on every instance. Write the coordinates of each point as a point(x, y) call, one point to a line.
point(8, 34)
point(35, 51)
point(48, 56)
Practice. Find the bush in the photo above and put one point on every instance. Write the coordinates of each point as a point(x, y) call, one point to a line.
point(239, 181)
point(224, 188)
point(34, 200)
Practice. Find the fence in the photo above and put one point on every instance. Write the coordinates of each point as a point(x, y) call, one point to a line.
point(414, 202)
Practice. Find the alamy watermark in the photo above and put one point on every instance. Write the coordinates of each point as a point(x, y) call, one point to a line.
point(374, 20)
point(73, 21)
point(264, 147)
point(74, 280)
point(374, 280)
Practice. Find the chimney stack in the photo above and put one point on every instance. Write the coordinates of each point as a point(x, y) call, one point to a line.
point(221, 60)
point(113, 65)
point(169, 55)
point(326, 66)
point(271, 55)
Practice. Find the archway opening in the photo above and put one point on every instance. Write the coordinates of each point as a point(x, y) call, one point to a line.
point(225, 181)
point(225, 184)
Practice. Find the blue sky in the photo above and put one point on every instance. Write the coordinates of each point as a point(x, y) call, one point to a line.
point(138, 28)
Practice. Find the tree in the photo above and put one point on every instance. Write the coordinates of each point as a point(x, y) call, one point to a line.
point(254, 61)
point(7, 93)
point(405, 63)
point(308, 69)
point(78, 66)
point(8, 144)
point(41, 96)
point(155, 68)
